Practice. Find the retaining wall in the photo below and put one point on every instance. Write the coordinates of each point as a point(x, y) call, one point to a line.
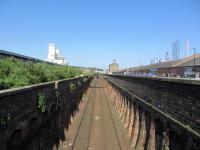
point(158, 113)
point(35, 117)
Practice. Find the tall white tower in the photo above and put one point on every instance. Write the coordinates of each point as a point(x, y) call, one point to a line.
point(52, 51)
point(176, 50)
point(187, 47)
point(57, 56)
point(54, 55)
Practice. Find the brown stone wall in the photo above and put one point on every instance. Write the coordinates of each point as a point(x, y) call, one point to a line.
point(163, 72)
point(25, 124)
point(176, 72)
point(162, 117)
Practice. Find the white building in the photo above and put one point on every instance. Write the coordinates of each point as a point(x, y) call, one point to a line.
point(176, 50)
point(187, 48)
point(54, 55)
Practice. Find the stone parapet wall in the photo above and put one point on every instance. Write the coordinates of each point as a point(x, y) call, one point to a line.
point(178, 98)
point(148, 126)
point(24, 111)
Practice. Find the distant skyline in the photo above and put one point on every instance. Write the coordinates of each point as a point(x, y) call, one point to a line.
point(176, 50)
point(91, 33)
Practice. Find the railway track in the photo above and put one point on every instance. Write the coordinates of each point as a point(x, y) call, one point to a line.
point(79, 142)
point(98, 128)
point(111, 116)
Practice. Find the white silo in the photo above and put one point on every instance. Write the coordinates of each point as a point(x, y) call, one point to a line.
point(57, 54)
point(52, 51)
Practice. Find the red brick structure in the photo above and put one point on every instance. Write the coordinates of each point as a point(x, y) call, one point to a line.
point(183, 68)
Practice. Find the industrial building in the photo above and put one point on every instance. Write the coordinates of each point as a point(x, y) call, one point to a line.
point(188, 67)
point(55, 56)
point(113, 67)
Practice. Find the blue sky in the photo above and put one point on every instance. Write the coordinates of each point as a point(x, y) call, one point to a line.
point(92, 33)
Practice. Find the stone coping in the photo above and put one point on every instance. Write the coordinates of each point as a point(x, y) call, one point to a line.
point(165, 79)
point(177, 122)
point(12, 91)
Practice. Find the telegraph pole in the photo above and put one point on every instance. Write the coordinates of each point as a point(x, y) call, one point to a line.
point(157, 66)
point(194, 49)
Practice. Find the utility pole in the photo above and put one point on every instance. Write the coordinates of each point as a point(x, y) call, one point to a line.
point(158, 59)
point(157, 66)
point(194, 49)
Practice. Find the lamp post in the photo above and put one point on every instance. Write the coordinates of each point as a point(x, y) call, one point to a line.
point(127, 71)
point(157, 65)
point(194, 49)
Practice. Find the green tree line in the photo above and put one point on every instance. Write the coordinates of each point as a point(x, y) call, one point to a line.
point(15, 72)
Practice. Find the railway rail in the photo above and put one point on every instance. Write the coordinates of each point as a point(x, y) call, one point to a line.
point(99, 126)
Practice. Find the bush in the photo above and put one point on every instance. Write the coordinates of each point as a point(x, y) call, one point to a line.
point(15, 72)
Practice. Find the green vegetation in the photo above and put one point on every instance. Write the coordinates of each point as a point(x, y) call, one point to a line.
point(57, 94)
point(72, 87)
point(15, 72)
point(41, 102)
point(84, 97)
point(2, 121)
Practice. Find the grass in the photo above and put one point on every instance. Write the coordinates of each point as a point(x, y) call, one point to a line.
point(41, 102)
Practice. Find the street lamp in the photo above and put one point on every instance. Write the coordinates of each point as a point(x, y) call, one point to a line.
point(136, 71)
point(127, 71)
point(194, 49)
point(158, 59)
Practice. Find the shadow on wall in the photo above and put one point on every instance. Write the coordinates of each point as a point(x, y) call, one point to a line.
point(148, 127)
point(35, 126)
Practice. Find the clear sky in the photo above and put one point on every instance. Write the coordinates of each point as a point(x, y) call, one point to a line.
point(92, 33)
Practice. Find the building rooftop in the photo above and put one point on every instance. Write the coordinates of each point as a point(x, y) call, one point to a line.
point(185, 62)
